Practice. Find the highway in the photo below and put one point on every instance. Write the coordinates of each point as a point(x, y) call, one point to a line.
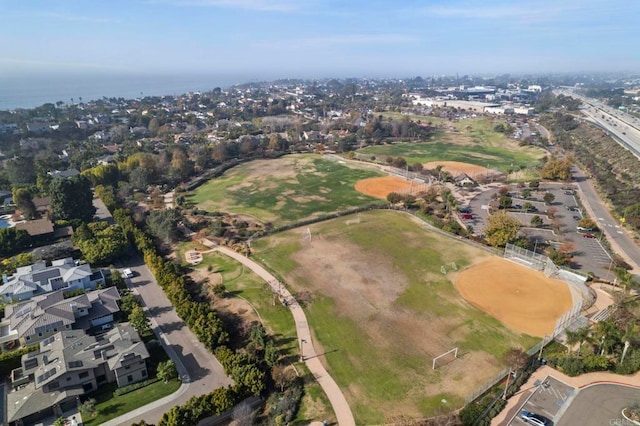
point(624, 128)
point(616, 123)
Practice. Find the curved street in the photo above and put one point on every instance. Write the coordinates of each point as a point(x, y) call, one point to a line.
point(200, 370)
point(599, 404)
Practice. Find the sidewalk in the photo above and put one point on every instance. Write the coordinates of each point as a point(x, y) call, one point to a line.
point(515, 402)
point(308, 353)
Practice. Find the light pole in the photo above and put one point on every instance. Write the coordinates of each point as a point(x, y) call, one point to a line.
point(302, 342)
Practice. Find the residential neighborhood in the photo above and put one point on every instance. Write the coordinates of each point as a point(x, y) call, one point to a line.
point(141, 281)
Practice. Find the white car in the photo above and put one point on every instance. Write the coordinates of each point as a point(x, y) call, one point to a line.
point(534, 419)
point(127, 273)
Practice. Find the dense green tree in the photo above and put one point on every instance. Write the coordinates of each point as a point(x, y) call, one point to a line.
point(557, 168)
point(99, 242)
point(501, 229)
point(163, 224)
point(536, 221)
point(587, 223)
point(139, 320)
point(141, 178)
point(167, 371)
point(43, 180)
point(23, 199)
point(128, 301)
point(21, 171)
point(548, 198)
point(505, 201)
point(13, 241)
point(258, 335)
point(632, 215)
point(103, 174)
point(72, 198)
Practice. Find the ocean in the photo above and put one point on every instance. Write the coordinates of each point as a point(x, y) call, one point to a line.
point(31, 91)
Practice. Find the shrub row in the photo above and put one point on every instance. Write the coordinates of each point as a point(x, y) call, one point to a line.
point(130, 388)
point(203, 321)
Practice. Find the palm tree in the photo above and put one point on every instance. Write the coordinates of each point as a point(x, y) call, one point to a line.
point(607, 334)
point(573, 337)
point(629, 337)
point(584, 335)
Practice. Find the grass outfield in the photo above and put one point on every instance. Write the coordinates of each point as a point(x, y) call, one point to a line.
point(474, 142)
point(284, 190)
point(382, 309)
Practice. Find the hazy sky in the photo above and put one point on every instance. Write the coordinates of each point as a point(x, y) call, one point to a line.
point(318, 38)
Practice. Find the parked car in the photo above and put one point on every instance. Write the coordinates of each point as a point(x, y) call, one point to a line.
point(577, 218)
point(588, 236)
point(466, 216)
point(127, 273)
point(534, 419)
point(568, 192)
point(580, 228)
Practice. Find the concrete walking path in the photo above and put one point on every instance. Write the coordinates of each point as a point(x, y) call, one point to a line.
point(309, 356)
point(514, 403)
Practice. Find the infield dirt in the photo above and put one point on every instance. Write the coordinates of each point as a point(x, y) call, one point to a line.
point(380, 187)
point(520, 298)
point(456, 167)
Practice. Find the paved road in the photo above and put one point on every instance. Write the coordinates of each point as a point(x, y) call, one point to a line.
point(311, 358)
point(624, 127)
point(201, 371)
point(582, 382)
point(599, 405)
point(621, 243)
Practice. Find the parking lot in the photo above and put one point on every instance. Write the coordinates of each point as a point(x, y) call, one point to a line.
point(588, 254)
point(549, 398)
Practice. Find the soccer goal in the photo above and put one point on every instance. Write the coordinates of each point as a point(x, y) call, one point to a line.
point(453, 351)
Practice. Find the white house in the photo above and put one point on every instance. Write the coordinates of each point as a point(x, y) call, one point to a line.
point(63, 274)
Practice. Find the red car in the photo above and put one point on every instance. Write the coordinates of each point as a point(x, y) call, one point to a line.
point(466, 216)
point(588, 235)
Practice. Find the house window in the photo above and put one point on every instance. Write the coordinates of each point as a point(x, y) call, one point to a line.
point(83, 374)
point(144, 373)
point(28, 338)
point(40, 334)
point(130, 378)
point(68, 378)
point(126, 367)
point(55, 330)
point(54, 385)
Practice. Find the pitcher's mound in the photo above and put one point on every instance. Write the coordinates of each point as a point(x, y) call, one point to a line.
point(519, 297)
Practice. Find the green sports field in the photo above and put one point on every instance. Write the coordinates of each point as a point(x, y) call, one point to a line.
point(381, 309)
point(285, 190)
point(470, 141)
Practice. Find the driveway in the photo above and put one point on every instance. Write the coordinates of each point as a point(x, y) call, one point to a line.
point(200, 370)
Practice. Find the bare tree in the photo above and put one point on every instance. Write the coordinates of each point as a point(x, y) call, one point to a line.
point(243, 414)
